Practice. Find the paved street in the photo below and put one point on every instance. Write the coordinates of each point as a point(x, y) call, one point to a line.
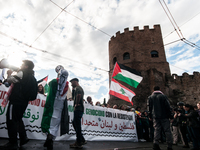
point(95, 145)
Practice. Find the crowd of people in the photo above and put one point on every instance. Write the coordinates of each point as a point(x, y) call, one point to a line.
point(115, 106)
point(184, 123)
point(183, 128)
point(159, 123)
point(175, 125)
point(24, 88)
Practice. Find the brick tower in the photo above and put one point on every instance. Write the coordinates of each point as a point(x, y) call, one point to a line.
point(142, 50)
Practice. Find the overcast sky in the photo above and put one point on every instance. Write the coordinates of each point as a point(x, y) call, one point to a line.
point(82, 49)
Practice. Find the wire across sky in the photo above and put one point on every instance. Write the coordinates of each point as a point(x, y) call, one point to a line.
point(164, 6)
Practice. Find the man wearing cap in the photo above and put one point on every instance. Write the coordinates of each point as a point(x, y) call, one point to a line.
point(78, 113)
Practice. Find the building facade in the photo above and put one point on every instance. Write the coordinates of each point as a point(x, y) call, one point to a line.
point(143, 50)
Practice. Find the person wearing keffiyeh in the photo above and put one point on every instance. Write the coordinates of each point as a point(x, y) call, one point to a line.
point(54, 107)
point(160, 112)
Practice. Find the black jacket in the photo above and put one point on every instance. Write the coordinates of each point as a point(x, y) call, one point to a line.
point(158, 106)
point(17, 95)
point(191, 118)
point(181, 119)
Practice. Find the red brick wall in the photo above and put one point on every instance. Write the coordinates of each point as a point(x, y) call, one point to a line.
point(139, 44)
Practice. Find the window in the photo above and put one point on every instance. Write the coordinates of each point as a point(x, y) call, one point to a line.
point(154, 54)
point(114, 60)
point(126, 56)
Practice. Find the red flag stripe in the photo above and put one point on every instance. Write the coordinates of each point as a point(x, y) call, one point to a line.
point(120, 96)
point(116, 70)
point(46, 79)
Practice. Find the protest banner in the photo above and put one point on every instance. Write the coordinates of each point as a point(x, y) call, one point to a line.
point(98, 123)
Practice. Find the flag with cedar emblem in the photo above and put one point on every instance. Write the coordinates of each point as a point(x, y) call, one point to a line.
point(120, 91)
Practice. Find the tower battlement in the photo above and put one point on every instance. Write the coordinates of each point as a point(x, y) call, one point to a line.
point(185, 87)
point(186, 78)
point(139, 46)
point(136, 31)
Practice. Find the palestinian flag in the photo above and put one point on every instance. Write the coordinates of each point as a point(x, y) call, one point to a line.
point(127, 75)
point(120, 91)
point(43, 81)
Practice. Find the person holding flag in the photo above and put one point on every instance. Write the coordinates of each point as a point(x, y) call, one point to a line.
point(42, 85)
point(41, 89)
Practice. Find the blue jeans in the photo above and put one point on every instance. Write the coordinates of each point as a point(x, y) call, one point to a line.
point(77, 126)
point(194, 133)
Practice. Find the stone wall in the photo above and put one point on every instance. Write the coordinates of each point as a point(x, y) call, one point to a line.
point(185, 88)
point(139, 44)
point(155, 70)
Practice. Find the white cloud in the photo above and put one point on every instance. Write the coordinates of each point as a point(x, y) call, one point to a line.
point(78, 43)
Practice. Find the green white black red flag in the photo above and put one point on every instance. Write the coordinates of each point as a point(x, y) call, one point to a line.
point(127, 75)
point(43, 82)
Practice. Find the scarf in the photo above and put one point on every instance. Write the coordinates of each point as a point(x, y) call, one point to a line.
point(157, 92)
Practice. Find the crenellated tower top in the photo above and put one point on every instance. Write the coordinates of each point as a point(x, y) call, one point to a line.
point(139, 49)
point(136, 31)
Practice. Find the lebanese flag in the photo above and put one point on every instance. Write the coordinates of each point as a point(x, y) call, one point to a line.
point(43, 81)
point(127, 75)
point(120, 91)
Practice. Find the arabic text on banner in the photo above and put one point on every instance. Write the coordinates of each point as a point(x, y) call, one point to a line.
point(98, 123)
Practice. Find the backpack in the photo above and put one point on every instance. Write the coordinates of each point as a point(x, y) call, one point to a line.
point(31, 88)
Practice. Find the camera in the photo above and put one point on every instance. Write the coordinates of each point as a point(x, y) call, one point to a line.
point(179, 111)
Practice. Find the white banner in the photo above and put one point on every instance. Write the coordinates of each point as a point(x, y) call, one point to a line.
point(98, 123)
